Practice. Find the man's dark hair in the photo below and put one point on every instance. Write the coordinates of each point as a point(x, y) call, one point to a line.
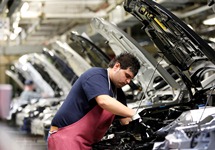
point(126, 60)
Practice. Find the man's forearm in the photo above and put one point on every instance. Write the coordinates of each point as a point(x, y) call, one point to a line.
point(112, 105)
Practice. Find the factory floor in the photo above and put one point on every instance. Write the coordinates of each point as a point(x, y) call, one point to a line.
point(12, 138)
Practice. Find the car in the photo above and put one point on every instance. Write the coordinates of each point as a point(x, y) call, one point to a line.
point(190, 64)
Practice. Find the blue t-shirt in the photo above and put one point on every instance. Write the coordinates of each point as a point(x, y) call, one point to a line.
point(81, 98)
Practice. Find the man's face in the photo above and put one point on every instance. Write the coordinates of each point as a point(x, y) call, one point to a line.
point(32, 86)
point(121, 77)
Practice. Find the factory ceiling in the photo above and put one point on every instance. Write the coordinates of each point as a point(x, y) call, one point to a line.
point(38, 22)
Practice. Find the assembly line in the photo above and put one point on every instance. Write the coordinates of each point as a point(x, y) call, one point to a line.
point(172, 94)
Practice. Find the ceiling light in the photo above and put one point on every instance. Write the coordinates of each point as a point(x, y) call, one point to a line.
point(23, 60)
point(15, 24)
point(30, 15)
point(26, 13)
point(17, 30)
point(24, 7)
point(210, 20)
point(212, 39)
point(13, 36)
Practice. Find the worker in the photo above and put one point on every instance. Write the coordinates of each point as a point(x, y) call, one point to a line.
point(28, 93)
point(92, 104)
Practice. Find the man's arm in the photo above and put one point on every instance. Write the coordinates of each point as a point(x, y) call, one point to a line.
point(114, 106)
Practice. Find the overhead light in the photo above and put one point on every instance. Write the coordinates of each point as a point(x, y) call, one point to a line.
point(17, 30)
point(30, 11)
point(30, 15)
point(24, 8)
point(13, 36)
point(212, 39)
point(210, 20)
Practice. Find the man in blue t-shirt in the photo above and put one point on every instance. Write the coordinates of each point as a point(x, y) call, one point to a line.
point(91, 105)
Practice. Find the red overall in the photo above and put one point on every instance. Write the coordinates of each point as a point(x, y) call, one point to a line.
point(83, 133)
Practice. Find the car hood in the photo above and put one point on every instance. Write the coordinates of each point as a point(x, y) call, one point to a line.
point(95, 56)
point(75, 60)
point(61, 64)
point(52, 72)
point(150, 69)
point(26, 70)
point(180, 46)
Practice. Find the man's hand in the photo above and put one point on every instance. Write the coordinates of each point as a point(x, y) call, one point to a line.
point(125, 121)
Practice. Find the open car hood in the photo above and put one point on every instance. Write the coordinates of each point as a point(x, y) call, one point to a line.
point(75, 61)
point(188, 56)
point(97, 58)
point(93, 54)
point(25, 70)
point(150, 69)
point(52, 72)
point(61, 64)
point(180, 46)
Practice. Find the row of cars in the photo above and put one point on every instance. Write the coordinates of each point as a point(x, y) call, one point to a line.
point(173, 92)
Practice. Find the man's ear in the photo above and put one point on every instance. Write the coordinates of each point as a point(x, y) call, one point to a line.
point(117, 66)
